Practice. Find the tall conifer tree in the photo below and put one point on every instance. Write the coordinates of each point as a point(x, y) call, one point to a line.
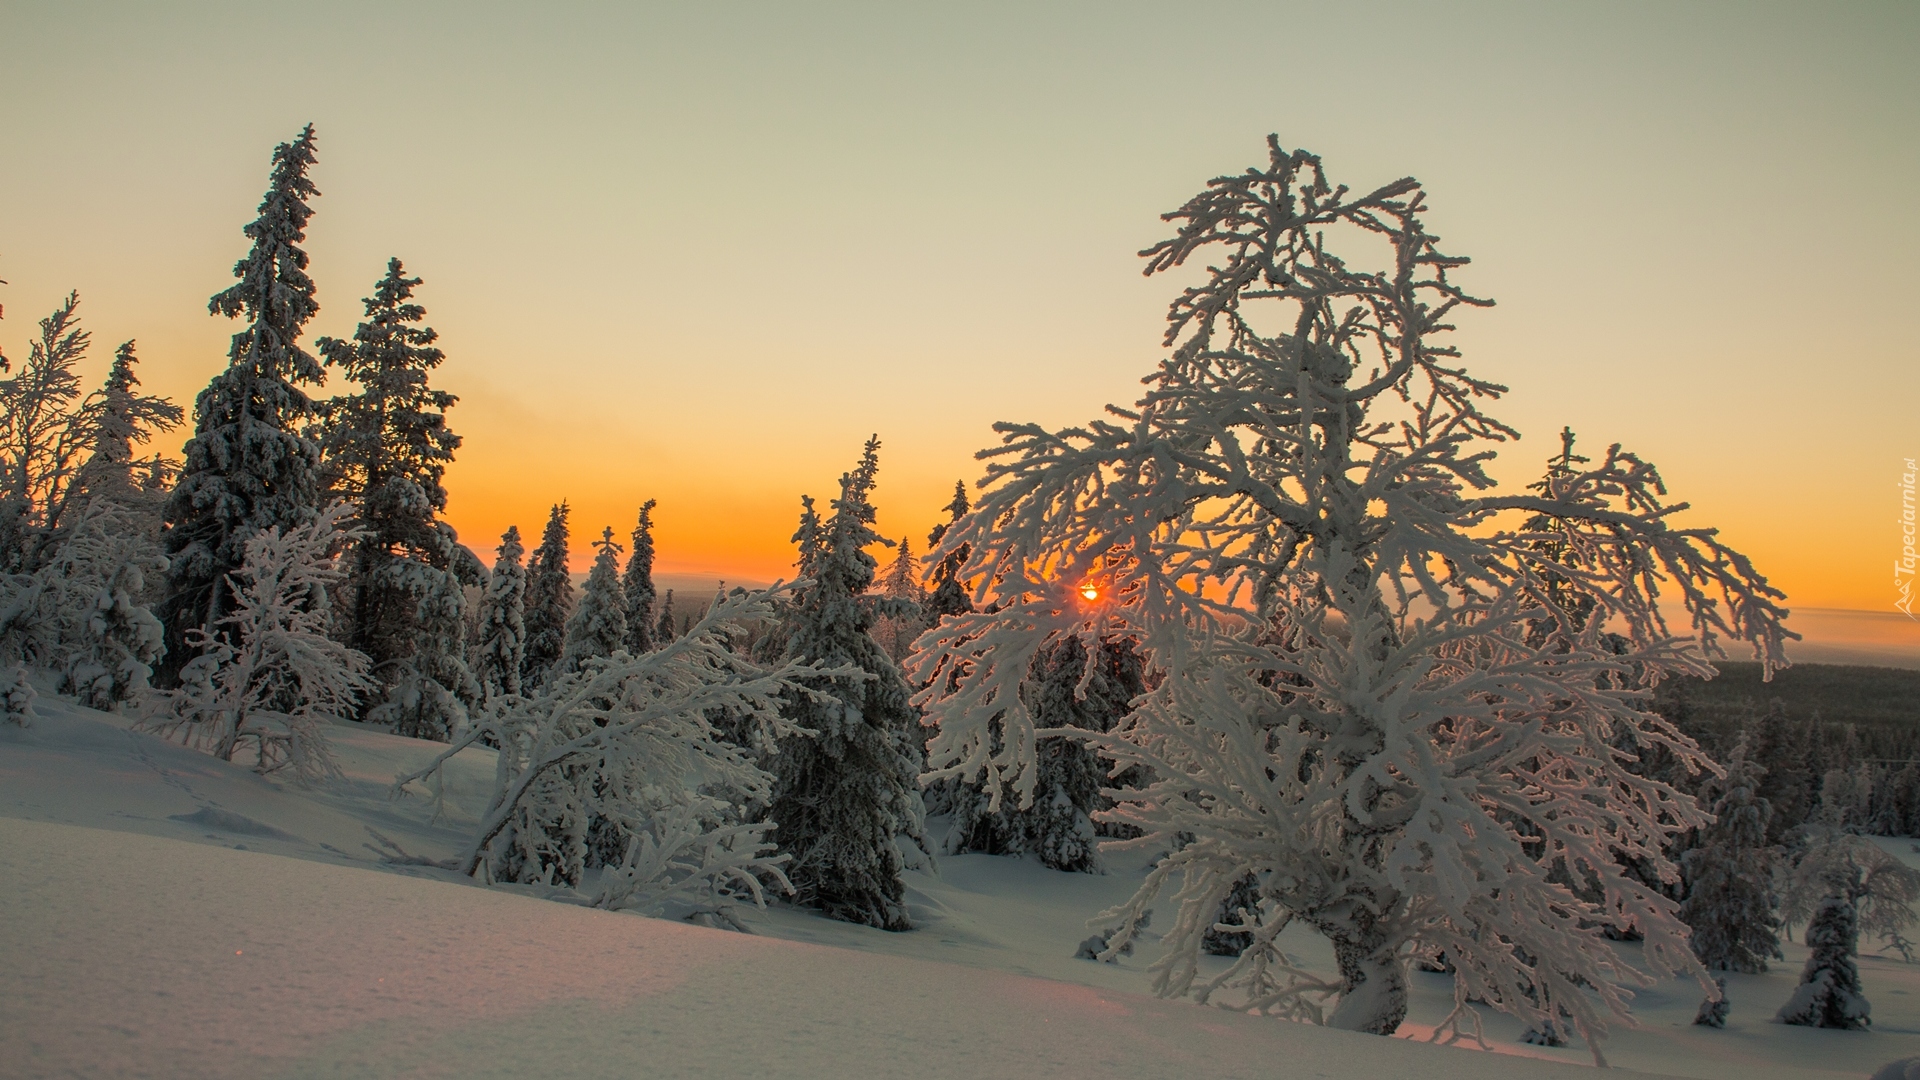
point(503, 630)
point(1728, 905)
point(638, 584)
point(663, 631)
point(599, 624)
point(387, 447)
point(1065, 688)
point(946, 595)
point(549, 601)
point(127, 418)
point(248, 467)
point(843, 793)
point(905, 614)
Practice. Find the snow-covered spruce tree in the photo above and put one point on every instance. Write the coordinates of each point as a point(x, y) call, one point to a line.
point(1829, 994)
point(1903, 804)
point(268, 680)
point(127, 419)
point(637, 585)
point(503, 631)
point(248, 467)
point(1780, 749)
point(1295, 524)
point(946, 593)
point(1713, 1009)
point(898, 628)
point(16, 696)
point(628, 739)
point(386, 447)
point(845, 790)
point(599, 624)
point(430, 693)
point(1067, 688)
point(549, 601)
point(1729, 905)
point(663, 631)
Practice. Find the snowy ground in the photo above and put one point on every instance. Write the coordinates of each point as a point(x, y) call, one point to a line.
point(163, 914)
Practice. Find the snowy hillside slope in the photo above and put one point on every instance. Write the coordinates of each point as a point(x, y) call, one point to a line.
point(166, 914)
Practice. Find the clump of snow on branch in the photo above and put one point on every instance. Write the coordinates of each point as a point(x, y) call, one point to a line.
point(268, 680)
point(629, 741)
point(1370, 689)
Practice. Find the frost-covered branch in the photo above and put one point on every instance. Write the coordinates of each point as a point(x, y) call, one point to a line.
point(268, 678)
point(626, 748)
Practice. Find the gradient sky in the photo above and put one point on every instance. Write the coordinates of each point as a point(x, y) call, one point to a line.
point(698, 252)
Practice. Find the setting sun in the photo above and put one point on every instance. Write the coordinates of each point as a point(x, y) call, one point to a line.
point(1090, 592)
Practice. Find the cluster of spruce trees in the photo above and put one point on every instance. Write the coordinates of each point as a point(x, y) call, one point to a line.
point(267, 456)
point(297, 559)
point(1789, 847)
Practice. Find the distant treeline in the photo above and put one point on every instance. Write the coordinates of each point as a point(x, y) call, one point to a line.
point(1838, 736)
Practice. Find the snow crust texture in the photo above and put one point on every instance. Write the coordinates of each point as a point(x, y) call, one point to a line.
point(302, 969)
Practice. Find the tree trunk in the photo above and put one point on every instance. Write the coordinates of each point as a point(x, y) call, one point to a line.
point(1374, 999)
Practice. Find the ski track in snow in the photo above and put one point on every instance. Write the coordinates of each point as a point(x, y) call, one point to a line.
point(137, 941)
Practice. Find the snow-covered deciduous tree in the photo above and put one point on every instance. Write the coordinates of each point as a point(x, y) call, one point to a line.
point(637, 584)
point(248, 468)
point(60, 450)
point(1350, 697)
point(1829, 994)
point(846, 789)
point(1826, 861)
point(268, 680)
point(599, 624)
point(549, 601)
point(628, 740)
point(386, 447)
point(1068, 688)
point(46, 429)
point(1729, 905)
point(503, 631)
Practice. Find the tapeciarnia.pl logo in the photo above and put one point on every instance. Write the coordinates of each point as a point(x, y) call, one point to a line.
point(1903, 566)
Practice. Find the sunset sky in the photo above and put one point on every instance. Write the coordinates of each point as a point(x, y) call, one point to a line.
point(699, 252)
